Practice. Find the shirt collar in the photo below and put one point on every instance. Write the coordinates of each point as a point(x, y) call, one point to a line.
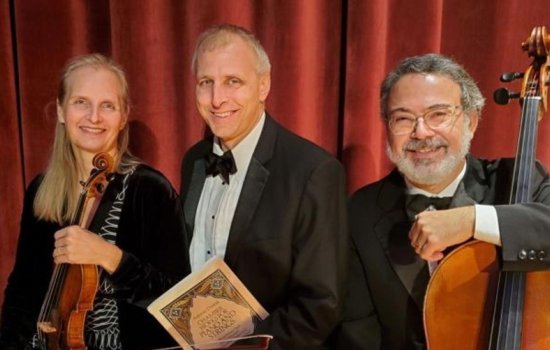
point(448, 191)
point(242, 152)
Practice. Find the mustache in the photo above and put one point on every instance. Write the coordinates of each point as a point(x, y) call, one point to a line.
point(414, 145)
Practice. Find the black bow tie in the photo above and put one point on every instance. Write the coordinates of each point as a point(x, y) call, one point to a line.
point(416, 203)
point(223, 165)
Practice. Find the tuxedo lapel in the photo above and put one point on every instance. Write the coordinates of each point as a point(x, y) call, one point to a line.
point(193, 194)
point(252, 191)
point(392, 232)
point(474, 182)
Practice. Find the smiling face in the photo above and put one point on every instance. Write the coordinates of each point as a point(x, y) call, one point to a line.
point(430, 159)
point(230, 93)
point(91, 111)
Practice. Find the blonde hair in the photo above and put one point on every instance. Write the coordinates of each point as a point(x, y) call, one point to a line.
point(55, 200)
point(222, 35)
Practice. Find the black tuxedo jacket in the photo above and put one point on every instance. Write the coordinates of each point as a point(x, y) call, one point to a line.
point(388, 280)
point(288, 241)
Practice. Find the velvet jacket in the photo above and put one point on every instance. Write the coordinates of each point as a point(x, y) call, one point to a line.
point(155, 256)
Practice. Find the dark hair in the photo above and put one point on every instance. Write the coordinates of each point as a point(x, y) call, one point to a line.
point(471, 98)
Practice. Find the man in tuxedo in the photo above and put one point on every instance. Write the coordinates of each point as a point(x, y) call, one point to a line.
point(272, 204)
point(431, 107)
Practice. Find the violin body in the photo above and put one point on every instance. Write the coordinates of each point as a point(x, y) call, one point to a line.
point(76, 298)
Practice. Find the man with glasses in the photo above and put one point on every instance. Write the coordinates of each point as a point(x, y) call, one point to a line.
point(437, 197)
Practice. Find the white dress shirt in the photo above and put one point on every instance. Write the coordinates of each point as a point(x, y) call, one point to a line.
point(218, 202)
point(486, 220)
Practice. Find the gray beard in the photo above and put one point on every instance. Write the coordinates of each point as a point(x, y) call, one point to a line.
point(429, 172)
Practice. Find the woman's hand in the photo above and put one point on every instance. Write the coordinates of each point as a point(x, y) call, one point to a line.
point(75, 245)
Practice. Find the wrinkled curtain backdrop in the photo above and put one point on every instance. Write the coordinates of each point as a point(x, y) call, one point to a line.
point(328, 59)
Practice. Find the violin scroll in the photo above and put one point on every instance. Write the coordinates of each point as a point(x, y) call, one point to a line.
point(95, 185)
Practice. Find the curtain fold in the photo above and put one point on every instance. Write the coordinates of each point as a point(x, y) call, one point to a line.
point(11, 173)
point(328, 59)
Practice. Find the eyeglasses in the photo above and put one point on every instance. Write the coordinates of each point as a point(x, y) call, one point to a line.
point(403, 122)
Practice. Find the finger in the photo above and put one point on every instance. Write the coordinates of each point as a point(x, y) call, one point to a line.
point(430, 251)
point(419, 242)
point(60, 259)
point(420, 247)
point(57, 253)
point(434, 257)
point(414, 232)
point(60, 234)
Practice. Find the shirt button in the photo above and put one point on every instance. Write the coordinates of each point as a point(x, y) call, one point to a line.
point(522, 255)
point(208, 252)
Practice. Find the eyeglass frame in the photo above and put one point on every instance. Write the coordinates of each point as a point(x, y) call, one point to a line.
point(456, 111)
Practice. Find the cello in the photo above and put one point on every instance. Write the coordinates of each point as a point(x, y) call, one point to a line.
point(470, 303)
point(73, 287)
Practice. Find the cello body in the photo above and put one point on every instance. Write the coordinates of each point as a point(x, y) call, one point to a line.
point(470, 303)
point(462, 295)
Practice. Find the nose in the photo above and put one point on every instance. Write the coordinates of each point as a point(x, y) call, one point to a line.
point(219, 95)
point(422, 130)
point(94, 114)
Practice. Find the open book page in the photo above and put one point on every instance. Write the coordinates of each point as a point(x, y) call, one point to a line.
point(207, 306)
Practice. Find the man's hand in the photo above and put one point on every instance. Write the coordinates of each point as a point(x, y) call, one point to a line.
point(75, 245)
point(433, 231)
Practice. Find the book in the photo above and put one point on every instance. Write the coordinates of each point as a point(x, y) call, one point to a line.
point(207, 307)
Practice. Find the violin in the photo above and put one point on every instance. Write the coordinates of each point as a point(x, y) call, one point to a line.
point(73, 287)
point(470, 303)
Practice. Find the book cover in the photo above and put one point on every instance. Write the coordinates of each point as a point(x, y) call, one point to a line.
point(208, 306)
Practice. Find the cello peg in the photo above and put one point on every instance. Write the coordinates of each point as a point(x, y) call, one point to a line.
point(502, 96)
point(510, 76)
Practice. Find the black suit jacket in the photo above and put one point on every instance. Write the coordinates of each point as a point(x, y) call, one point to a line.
point(288, 239)
point(388, 280)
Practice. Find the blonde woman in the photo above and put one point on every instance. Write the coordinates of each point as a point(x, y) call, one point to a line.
point(136, 237)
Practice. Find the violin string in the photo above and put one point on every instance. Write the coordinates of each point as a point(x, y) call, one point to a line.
point(45, 310)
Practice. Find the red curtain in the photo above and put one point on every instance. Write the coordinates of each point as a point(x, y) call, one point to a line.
point(328, 60)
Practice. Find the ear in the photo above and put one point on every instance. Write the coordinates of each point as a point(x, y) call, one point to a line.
point(60, 114)
point(474, 120)
point(124, 121)
point(265, 85)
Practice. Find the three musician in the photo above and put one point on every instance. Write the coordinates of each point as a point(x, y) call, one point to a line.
point(438, 197)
